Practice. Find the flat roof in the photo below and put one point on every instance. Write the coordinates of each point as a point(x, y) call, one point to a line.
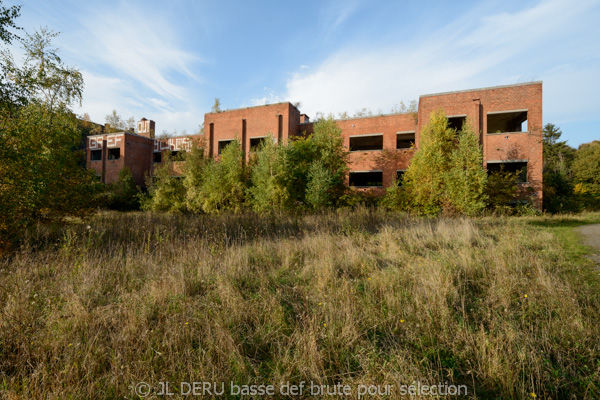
point(480, 89)
point(146, 137)
point(118, 133)
point(261, 105)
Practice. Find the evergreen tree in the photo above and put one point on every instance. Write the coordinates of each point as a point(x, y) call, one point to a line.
point(268, 191)
point(466, 179)
point(424, 180)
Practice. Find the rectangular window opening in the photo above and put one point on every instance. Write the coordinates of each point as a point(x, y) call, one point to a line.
point(178, 155)
point(114, 154)
point(505, 122)
point(456, 122)
point(405, 140)
point(256, 142)
point(366, 179)
point(366, 142)
point(223, 144)
point(400, 176)
point(157, 157)
point(96, 155)
point(519, 167)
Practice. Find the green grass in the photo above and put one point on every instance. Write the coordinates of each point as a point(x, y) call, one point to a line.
point(506, 306)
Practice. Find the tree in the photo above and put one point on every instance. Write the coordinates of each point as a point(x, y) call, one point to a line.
point(326, 148)
point(7, 21)
point(501, 189)
point(446, 173)
point(195, 166)
point(116, 123)
point(165, 191)
point(320, 181)
point(10, 94)
point(224, 182)
point(424, 179)
point(216, 108)
point(123, 195)
point(466, 179)
point(269, 191)
point(558, 180)
point(586, 174)
point(40, 174)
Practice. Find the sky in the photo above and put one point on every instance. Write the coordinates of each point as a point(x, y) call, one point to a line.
point(168, 61)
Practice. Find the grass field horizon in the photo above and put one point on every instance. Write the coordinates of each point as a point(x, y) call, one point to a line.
point(506, 306)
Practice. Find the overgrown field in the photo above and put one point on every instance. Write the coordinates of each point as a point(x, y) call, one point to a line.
point(507, 306)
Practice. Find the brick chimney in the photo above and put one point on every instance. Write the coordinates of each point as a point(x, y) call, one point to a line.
point(146, 127)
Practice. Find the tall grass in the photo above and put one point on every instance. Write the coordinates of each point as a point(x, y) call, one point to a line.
point(87, 310)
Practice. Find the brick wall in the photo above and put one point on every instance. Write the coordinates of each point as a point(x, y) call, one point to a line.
point(282, 121)
point(476, 104)
point(277, 120)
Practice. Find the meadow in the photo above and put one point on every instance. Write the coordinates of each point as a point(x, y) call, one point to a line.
point(507, 306)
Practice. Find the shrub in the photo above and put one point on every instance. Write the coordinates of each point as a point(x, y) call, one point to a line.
point(124, 194)
point(465, 181)
point(446, 172)
point(165, 191)
point(224, 182)
point(269, 191)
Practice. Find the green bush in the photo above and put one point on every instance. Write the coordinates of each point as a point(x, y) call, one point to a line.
point(224, 182)
point(124, 194)
point(269, 189)
point(165, 191)
point(445, 174)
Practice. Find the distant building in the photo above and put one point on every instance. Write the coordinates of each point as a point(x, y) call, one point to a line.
point(508, 119)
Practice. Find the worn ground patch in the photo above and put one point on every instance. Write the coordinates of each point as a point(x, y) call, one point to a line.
point(591, 237)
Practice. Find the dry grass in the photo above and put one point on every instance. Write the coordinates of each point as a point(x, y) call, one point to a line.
point(500, 305)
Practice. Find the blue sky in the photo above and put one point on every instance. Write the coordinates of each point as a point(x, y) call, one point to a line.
point(168, 61)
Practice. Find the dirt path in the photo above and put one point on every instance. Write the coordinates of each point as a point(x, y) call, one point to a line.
point(591, 237)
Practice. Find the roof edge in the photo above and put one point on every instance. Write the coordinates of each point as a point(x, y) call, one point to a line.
point(480, 89)
point(261, 105)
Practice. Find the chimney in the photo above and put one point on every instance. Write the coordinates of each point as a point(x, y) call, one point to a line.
point(146, 127)
point(304, 119)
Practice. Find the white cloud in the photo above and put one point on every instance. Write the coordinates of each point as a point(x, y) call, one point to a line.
point(141, 47)
point(135, 62)
point(270, 97)
point(467, 53)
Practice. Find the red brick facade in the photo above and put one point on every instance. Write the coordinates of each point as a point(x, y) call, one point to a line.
point(378, 144)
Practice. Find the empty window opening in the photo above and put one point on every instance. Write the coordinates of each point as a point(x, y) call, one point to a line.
point(114, 154)
point(366, 179)
point(518, 167)
point(405, 140)
point(157, 157)
point(178, 155)
point(456, 122)
point(366, 142)
point(511, 121)
point(223, 144)
point(256, 142)
point(400, 177)
point(96, 155)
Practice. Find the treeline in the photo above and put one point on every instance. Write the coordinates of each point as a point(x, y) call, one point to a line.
point(571, 176)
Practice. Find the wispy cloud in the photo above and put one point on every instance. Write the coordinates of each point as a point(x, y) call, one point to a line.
point(142, 47)
point(469, 52)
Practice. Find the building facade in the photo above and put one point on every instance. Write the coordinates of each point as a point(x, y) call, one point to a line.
point(508, 119)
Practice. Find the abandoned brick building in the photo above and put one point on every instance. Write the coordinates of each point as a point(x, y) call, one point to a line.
point(508, 118)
